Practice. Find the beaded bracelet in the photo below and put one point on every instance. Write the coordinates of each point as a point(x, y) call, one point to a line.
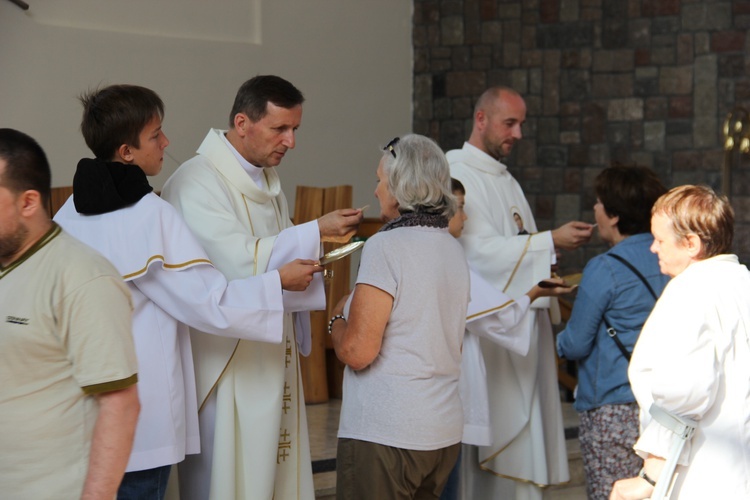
point(330, 323)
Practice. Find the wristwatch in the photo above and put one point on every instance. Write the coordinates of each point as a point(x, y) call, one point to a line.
point(642, 474)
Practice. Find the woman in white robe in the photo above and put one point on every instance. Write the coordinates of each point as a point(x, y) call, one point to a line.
point(693, 356)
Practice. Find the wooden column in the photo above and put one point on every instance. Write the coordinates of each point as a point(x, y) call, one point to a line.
point(311, 203)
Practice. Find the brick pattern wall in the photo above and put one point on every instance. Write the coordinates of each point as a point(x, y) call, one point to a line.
point(646, 81)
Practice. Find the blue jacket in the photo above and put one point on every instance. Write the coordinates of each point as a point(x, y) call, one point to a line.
point(609, 289)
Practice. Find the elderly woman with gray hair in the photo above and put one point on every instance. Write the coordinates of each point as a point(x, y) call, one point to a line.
point(400, 334)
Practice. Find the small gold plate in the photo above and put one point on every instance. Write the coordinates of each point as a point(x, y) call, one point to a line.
point(341, 252)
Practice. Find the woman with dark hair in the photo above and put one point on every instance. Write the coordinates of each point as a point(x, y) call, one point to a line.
point(692, 360)
point(616, 295)
point(400, 335)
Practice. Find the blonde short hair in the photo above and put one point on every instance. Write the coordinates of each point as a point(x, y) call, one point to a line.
point(699, 210)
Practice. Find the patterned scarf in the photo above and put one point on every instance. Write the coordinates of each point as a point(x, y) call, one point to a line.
point(420, 217)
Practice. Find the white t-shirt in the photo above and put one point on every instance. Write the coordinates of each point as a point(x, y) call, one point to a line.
point(408, 397)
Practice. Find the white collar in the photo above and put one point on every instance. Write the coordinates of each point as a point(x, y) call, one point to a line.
point(255, 173)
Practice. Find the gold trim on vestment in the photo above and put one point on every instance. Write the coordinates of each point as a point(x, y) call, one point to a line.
point(247, 211)
point(213, 387)
point(165, 264)
point(255, 257)
point(518, 264)
point(300, 389)
point(521, 480)
point(489, 311)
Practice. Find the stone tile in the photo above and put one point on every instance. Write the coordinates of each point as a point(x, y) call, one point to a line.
point(618, 133)
point(642, 57)
point(625, 109)
point(452, 30)
point(615, 32)
point(706, 70)
point(731, 65)
point(702, 43)
point(549, 11)
point(463, 107)
point(552, 156)
point(614, 60)
point(578, 155)
point(570, 137)
point(462, 83)
point(681, 107)
point(594, 117)
point(665, 25)
point(487, 9)
point(509, 10)
point(654, 135)
point(574, 84)
point(569, 10)
point(676, 80)
point(570, 124)
point(705, 132)
point(612, 85)
point(492, 32)
point(663, 56)
point(728, 41)
point(656, 108)
point(706, 16)
point(653, 8)
point(685, 48)
point(678, 142)
point(639, 32)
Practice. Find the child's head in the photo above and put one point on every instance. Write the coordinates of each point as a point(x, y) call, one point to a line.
point(123, 123)
point(456, 224)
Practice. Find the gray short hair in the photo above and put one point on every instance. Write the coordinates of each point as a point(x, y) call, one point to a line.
point(419, 175)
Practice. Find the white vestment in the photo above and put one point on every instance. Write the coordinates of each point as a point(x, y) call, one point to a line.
point(172, 284)
point(693, 359)
point(502, 244)
point(494, 316)
point(253, 425)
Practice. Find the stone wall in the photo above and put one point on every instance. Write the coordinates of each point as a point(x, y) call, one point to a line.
point(646, 81)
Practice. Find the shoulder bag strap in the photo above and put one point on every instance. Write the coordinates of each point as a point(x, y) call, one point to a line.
point(613, 335)
point(636, 272)
point(610, 330)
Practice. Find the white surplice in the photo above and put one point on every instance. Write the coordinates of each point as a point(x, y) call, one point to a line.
point(693, 359)
point(253, 424)
point(172, 283)
point(528, 441)
point(494, 316)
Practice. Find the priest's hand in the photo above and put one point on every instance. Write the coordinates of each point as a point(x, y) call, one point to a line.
point(572, 235)
point(297, 275)
point(340, 225)
point(551, 287)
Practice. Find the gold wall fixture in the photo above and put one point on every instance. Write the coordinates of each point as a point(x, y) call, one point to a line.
point(736, 142)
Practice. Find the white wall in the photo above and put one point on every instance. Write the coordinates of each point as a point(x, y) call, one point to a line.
point(351, 58)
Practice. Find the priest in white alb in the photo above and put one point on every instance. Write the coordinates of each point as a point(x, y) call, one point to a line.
point(503, 245)
point(254, 437)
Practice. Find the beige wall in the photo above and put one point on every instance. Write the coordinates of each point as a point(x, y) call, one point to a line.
point(351, 58)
